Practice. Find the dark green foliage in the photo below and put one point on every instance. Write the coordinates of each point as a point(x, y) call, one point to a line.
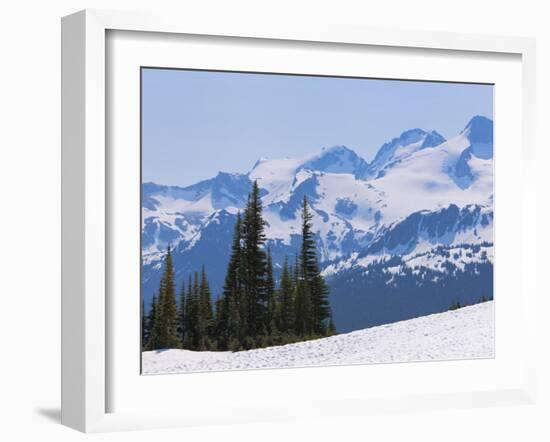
point(190, 311)
point(181, 314)
point(308, 255)
point(205, 323)
point(254, 263)
point(287, 311)
point(148, 338)
point(205, 301)
point(320, 305)
point(310, 273)
point(167, 329)
point(194, 319)
point(154, 325)
point(252, 312)
point(303, 309)
point(228, 323)
point(295, 272)
point(199, 324)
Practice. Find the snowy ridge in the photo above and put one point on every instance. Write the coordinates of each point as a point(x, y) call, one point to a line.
point(424, 233)
point(466, 333)
point(401, 147)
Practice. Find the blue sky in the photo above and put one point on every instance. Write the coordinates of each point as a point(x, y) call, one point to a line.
point(196, 123)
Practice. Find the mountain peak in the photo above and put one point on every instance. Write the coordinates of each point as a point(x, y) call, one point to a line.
point(432, 139)
point(336, 150)
point(231, 176)
point(479, 130)
point(336, 159)
point(411, 134)
point(407, 143)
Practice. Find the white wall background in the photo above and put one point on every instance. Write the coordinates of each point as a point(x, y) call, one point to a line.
point(30, 215)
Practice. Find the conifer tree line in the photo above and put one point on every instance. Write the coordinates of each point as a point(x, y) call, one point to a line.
point(253, 310)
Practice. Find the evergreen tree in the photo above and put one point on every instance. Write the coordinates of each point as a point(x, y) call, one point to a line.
point(168, 331)
point(205, 313)
point(228, 317)
point(255, 265)
point(195, 318)
point(308, 254)
point(190, 320)
point(310, 272)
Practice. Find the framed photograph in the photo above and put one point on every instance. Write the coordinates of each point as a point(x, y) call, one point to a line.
point(285, 222)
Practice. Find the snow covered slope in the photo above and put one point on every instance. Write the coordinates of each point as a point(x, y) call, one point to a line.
point(401, 147)
point(467, 333)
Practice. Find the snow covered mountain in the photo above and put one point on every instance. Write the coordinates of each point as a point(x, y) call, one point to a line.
point(421, 196)
point(401, 147)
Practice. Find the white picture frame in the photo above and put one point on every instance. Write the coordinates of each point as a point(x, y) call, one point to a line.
point(85, 219)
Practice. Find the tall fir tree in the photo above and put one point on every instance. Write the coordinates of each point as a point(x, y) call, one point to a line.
point(310, 272)
point(255, 264)
point(229, 324)
point(168, 337)
point(308, 250)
